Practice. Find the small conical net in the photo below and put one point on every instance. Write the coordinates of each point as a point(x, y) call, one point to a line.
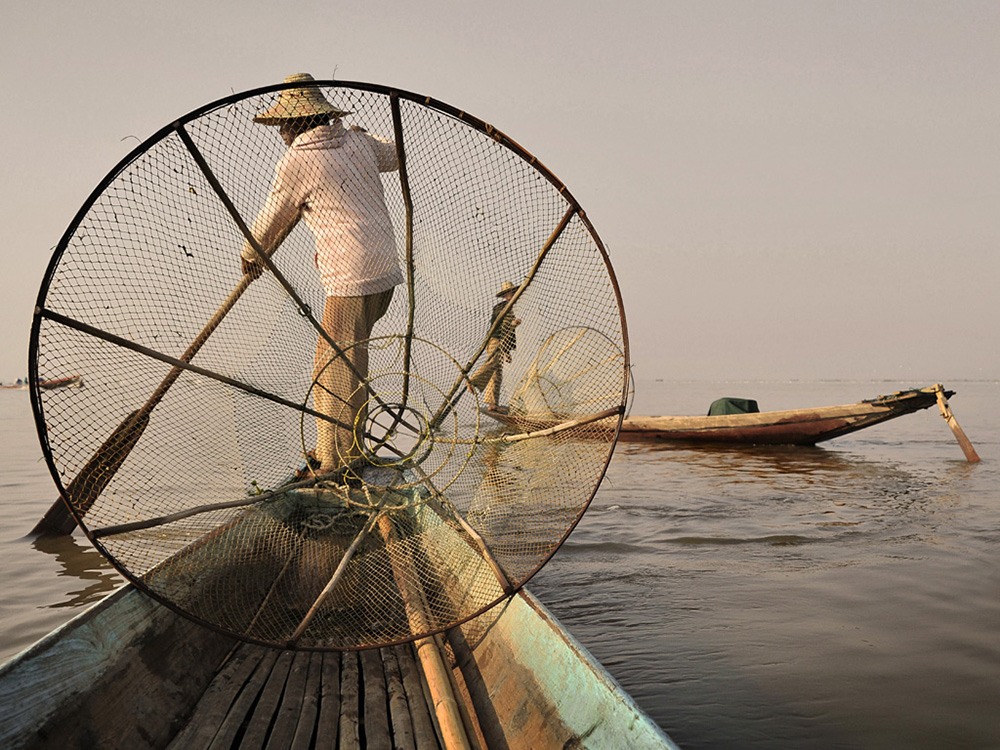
point(337, 395)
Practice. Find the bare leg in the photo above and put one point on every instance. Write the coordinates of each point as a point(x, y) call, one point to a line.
point(488, 377)
point(491, 394)
point(339, 393)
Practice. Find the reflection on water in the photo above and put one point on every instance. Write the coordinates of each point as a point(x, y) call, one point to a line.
point(771, 496)
point(748, 462)
point(82, 562)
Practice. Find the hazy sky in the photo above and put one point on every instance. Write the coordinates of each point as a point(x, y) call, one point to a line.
point(787, 189)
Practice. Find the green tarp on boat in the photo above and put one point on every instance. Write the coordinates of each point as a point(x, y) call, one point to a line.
point(732, 406)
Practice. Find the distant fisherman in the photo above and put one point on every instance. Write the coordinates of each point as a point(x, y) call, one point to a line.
point(502, 341)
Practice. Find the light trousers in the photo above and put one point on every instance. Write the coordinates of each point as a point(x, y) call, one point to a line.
point(489, 377)
point(341, 380)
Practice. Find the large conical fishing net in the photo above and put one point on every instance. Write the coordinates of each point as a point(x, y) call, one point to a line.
point(247, 450)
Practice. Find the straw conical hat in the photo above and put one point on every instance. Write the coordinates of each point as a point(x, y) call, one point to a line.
point(306, 101)
point(507, 286)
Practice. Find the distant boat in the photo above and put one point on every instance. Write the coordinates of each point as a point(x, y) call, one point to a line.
point(749, 426)
point(71, 381)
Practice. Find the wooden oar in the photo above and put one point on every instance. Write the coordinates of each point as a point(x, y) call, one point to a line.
point(87, 486)
point(964, 443)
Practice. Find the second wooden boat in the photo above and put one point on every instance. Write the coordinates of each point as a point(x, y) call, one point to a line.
point(71, 381)
point(807, 426)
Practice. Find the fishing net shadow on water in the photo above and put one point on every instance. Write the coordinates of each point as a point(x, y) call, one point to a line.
point(304, 418)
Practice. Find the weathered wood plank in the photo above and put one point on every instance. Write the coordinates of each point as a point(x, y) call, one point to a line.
point(214, 705)
point(350, 735)
point(399, 710)
point(329, 702)
point(267, 705)
point(305, 731)
point(244, 703)
point(424, 731)
point(376, 706)
point(287, 716)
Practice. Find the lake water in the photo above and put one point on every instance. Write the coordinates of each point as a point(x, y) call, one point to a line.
point(845, 596)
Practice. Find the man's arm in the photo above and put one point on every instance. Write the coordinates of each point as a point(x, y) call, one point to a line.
point(275, 221)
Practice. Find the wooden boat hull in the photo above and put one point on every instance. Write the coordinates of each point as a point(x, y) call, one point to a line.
point(130, 672)
point(72, 381)
point(788, 427)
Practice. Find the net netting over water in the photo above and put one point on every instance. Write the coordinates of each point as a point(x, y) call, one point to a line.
point(255, 441)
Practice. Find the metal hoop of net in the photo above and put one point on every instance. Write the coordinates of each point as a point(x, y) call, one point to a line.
point(280, 456)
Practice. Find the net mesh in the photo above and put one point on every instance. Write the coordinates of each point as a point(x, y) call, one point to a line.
point(290, 438)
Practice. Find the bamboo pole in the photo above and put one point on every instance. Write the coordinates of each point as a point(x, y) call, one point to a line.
point(561, 427)
point(470, 720)
point(445, 705)
point(964, 443)
point(149, 523)
point(404, 185)
point(446, 708)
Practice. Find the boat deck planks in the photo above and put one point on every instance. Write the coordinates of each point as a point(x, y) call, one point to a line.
point(328, 721)
point(262, 698)
point(349, 710)
point(222, 695)
point(423, 725)
point(399, 715)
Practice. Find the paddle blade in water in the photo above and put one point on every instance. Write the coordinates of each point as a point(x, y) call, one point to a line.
point(87, 486)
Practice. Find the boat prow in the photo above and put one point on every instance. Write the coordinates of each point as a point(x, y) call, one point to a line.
point(130, 672)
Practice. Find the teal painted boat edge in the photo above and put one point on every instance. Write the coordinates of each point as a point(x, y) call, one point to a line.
point(56, 688)
point(578, 683)
point(38, 671)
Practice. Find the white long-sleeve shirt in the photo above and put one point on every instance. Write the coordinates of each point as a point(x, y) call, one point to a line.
point(329, 177)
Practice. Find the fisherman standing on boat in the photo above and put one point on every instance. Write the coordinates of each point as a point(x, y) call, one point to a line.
point(502, 341)
point(329, 178)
